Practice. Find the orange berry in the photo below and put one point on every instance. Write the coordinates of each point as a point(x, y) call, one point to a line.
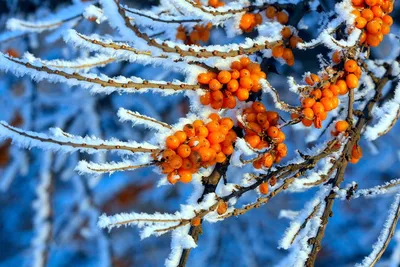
point(216, 137)
point(245, 73)
point(336, 57)
point(185, 176)
point(308, 102)
point(374, 27)
point(258, 18)
point(236, 65)
point(341, 126)
point(203, 78)
point(286, 32)
point(351, 81)
point(202, 131)
point(267, 160)
point(181, 135)
point(287, 54)
point(214, 117)
point(224, 76)
point(334, 89)
point(294, 40)
point(220, 157)
point(247, 21)
point(385, 29)
point(198, 123)
point(258, 107)
point(327, 103)
point(168, 154)
point(231, 136)
point(363, 37)
point(213, 126)
point(282, 150)
point(222, 207)
point(217, 96)
point(354, 161)
point(262, 118)
point(335, 102)
point(342, 86)
point(233, 85)
point(242, 94)
point(253, 140)
point(350, 65)
point(187, 164)
point(307, 122)
point(172, 142)
point(360, 22)
point(206, 153)
point(273, 117)
point(367, 14)
point(257, 164)
point(227, 122)
point(196, 221)
point(327, 93)
point(308, 113)
point(214, 85)
point(318, 108)
point(282, 17)
point(373, 40)
point(378, 13)
point(189, 130)
point(264, 187)
point(273, 131)
point(316, 93)
point(205, 99)
point(235, 74)
point(280, 138)
point(228, 150)
point(175, 162)
point(245, 61)
point(253, 128)
point(270, 12)
point(371, 2)
point(229, 102)
point(312, 79)
point(387, 20)
point(277, 51)
point(357, 2)
point(246, 82)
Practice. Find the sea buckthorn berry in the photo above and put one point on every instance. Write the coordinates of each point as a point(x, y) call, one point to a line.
point(247, 21)
point(253, 140)
point(317, 94)
point(246, 82)
point(336, 57)
point(214, 117)
point(294, 40)
point(245, 61)
point(213, 125)
point(335, 102)
point(202, 131)
point(334, 89)
point(198, 123)
point(327, 93)
point(387, 20)
point(166, 168)
point(385, 29)
point(354, 160)
point(257, 164)
point(233, 86)
point(272, 181)
point(273, 131)
point(356, 152)
point(224, 76)
point(205, 99)
point(217, 95)
point(221, 157)
point(374, 27)
point(282, 17)
point(235, 74)
point(371, 2)
point(189, 130)
point(378, 13)
point(312, 79)
point(242, 94)
point(273, 117)
point(187, 164)
point(350, 65)
point(245, 73)
point(253, 128)
point(172, 142)
point(227, 122)
point(367, 14)
point(270, 12)
point(264, 188)
point(280, 138)
point(196, 221)
point(222, 207)
point(306, 122)
point(258, 107)
point(214, 85)
point(360, 22)
point(268, 160)
point(286, 32)
point(277, 51)
point(327, 103)
point(357, 2)
point(236, 65)
point(342, 86)
point(175, 162)
point(341, 126)
point(262, 118)
point(282, 150)
point(228, 150)
point(287, 54)
point(351, 81)
point(308, 113)
point(203, 78)
point(216, 137)
point(373, 40)
point(185, 176)
point(168, 154)
point(318, 108)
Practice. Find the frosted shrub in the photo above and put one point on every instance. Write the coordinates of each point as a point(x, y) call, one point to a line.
point(231, 147)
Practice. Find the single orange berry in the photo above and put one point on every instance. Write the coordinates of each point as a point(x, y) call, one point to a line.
point(214, 85)
point(374, 27)
point(268, 160)
point(203, 78)
point(189, 130)
point(308, 113)
point(270, 12)
point(196, 221)
point(367, 14)
point(282, 17)
point(318, 108)
point(351, 81)
point(387, 20)
point(286, 32)
point(242, 94)
point(264, 188)
point(273, 131)
point(253, 140)
point(224, 76)
point(350, 65)
point(336, 57)
point(227, 122)
point(175, 162)
point(222, 207)
point(341, 126)
point(247, 21)
point(172, 142)
point(277, 51)
point(233, 86)
point(181, 135)
point(360, 22)
point(245, 61)
point(185, 176)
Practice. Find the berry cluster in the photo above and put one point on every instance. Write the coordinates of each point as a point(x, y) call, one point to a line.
point(261, 132)
point(250, 20)
point(198, 145)
point(290, 41)
point(372, 17)
point(225, 86)
point(200, 33)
